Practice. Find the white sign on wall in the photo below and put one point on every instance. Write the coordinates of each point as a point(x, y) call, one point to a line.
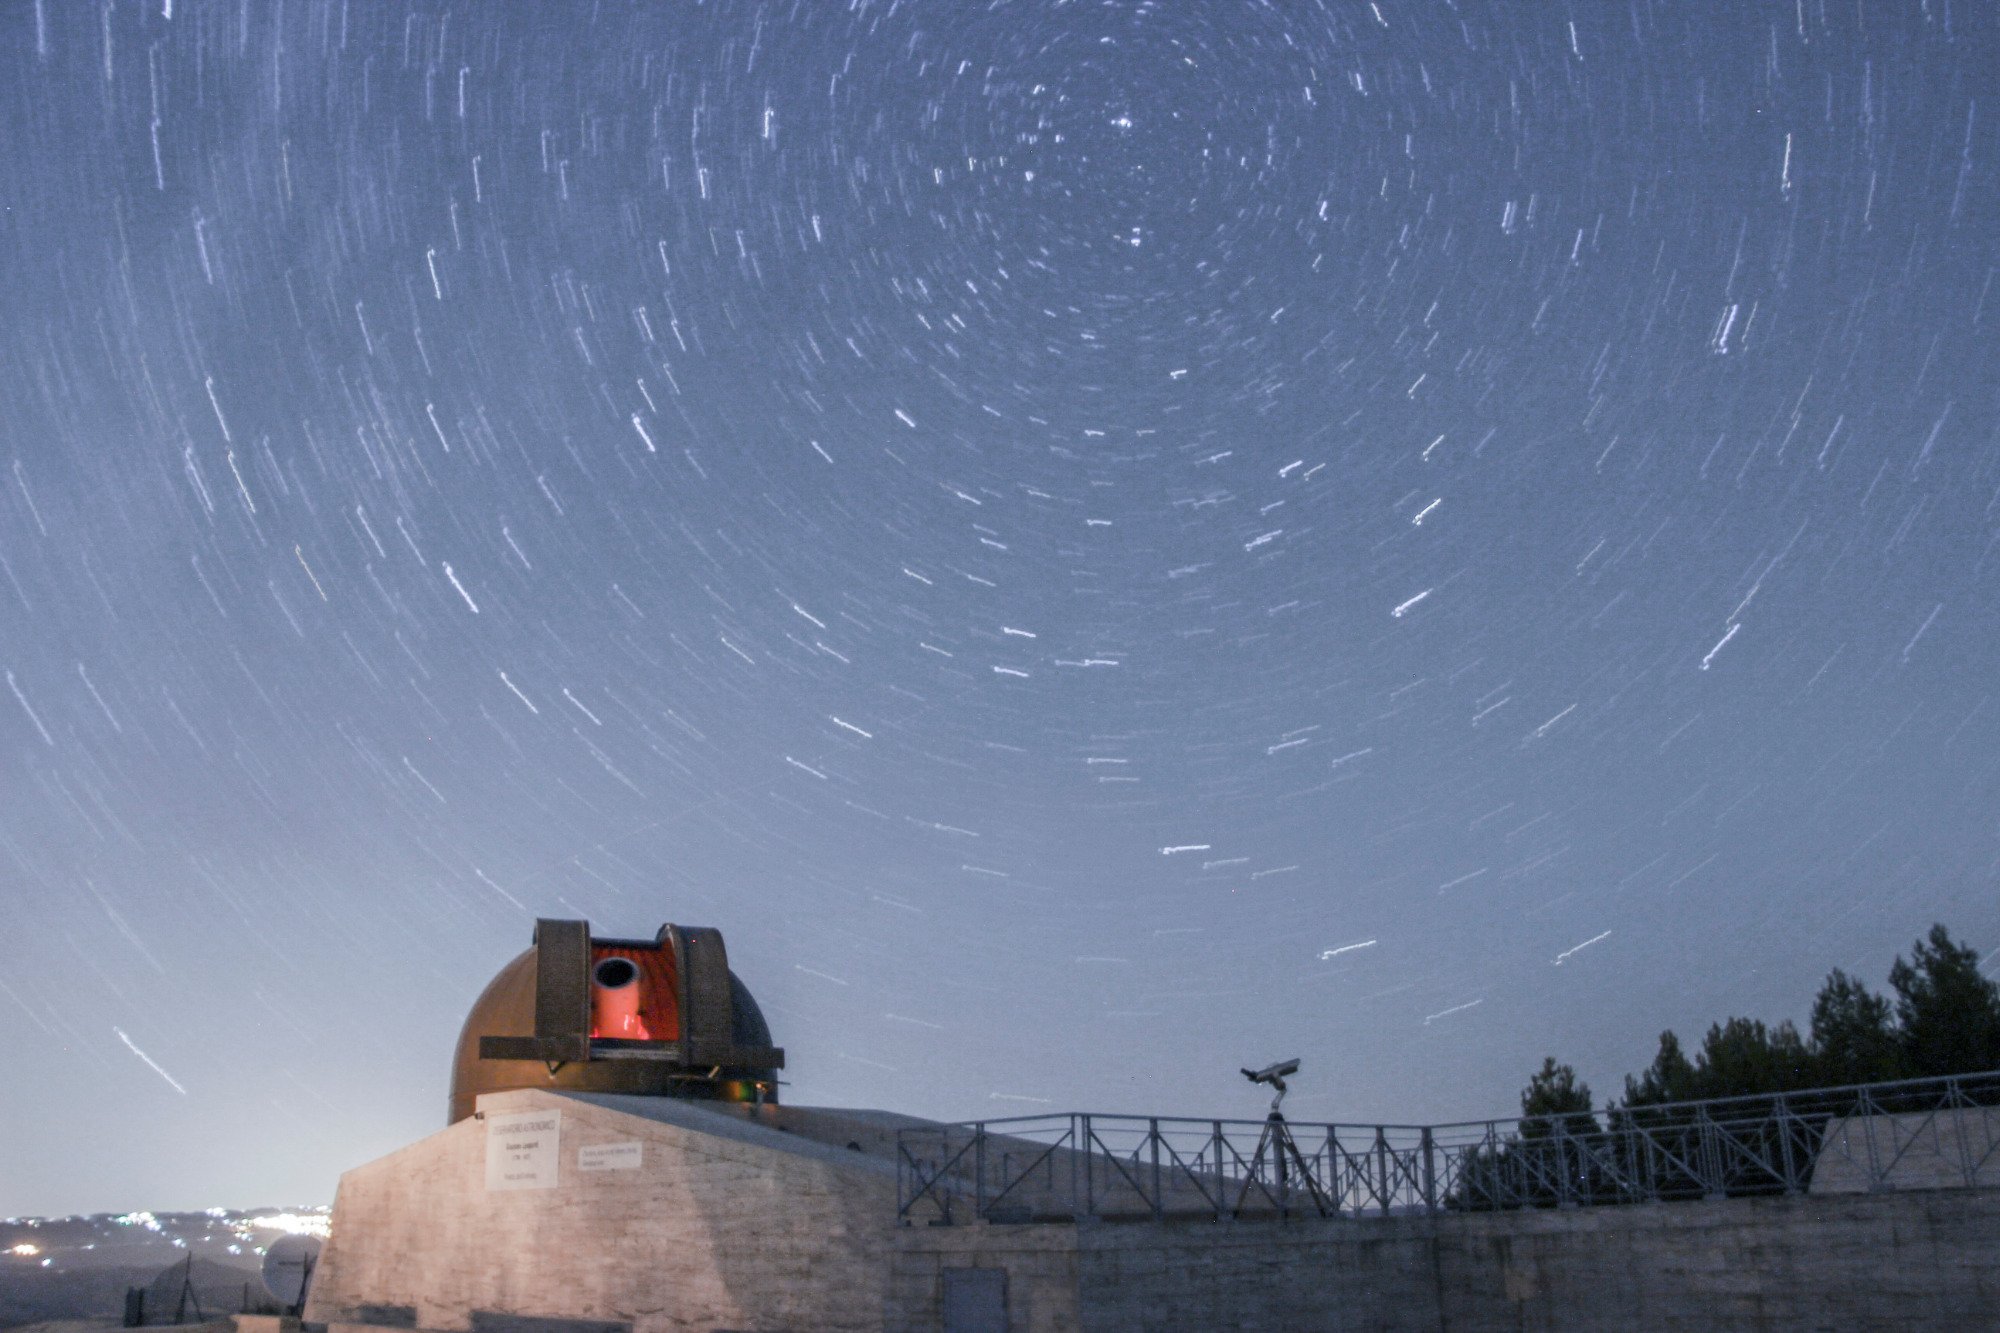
point(609, 1156)
point(522, 1149)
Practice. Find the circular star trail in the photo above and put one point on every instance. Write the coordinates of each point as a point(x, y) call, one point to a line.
point(1100, 543)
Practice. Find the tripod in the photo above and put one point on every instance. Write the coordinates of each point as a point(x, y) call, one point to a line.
point(1286, 1160)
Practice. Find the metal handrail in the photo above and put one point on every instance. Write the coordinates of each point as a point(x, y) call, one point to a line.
point(1065, 1167)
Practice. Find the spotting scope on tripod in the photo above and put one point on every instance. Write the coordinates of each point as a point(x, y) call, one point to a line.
point(1287, 1162)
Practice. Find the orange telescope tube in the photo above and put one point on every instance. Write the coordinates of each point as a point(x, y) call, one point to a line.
point(614, 1000)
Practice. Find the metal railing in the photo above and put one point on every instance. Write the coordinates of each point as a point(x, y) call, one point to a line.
point(1921, 1134)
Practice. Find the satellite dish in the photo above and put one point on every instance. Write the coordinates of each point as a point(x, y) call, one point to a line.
point(288, 1267)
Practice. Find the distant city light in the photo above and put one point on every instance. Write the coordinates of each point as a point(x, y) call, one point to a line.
point(25, 1250)
point(318, 1223)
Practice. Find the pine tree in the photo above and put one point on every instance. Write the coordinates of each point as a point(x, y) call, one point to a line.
point(1670, 1078)
point(1741, 1058)
point(1556, 1091)
point(1947, 1014)
point(1854, 1037)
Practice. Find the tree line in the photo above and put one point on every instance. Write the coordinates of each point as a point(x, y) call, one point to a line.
point(1942, 1017)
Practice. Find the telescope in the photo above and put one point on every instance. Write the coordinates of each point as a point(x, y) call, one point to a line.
point(1274, 1075)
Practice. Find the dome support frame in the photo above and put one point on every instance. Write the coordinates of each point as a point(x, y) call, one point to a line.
point(706, 1045)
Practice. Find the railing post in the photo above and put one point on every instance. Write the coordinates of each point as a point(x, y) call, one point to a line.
point(1089, 1169)
point(1962, 1104)
point(1781, 1114)
point(979, 1170)
point(1869, 1115)
point(1330, 1172)
point(1710, 1156)
point(1430, 1172)
point(1565, 1195)
point(1646, 1162)
point(1074, 1193)
point(1159, 1199)
point(1986, 1129)
point(1221, 1180)
point(903, 1199)
point(1382, 1169)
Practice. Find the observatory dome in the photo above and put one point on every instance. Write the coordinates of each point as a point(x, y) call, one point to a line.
point(654, 1018)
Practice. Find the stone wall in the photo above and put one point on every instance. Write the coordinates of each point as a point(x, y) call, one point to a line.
point(1893, 1260)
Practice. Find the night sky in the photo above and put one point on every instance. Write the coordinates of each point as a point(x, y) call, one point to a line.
point(1098, 542)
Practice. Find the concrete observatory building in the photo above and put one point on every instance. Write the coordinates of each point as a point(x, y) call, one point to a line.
point(616, 1160)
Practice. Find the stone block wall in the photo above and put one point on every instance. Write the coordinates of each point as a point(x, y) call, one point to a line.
point(1875, 1261)
point(729, 1224)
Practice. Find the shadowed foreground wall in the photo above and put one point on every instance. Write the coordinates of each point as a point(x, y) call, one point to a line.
point(1898, 1260)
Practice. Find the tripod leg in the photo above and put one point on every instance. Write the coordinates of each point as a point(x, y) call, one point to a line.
point(1256, 1167)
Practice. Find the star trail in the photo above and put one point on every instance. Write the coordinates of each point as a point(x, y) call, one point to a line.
point(1100, 543)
